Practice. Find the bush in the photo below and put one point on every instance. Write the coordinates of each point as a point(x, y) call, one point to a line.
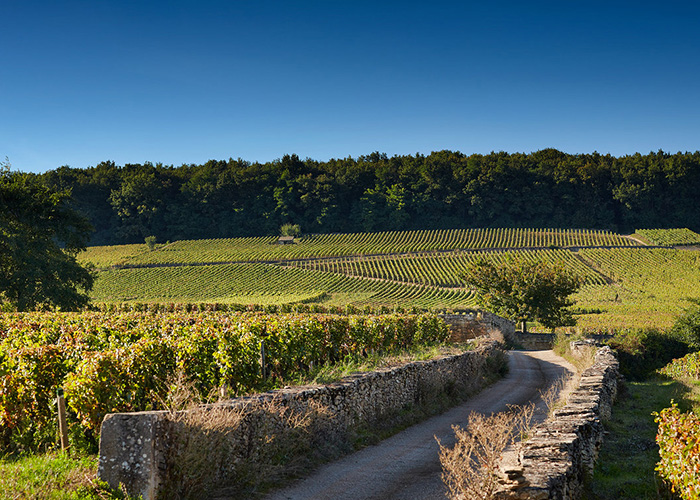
point(643, 351)
point(150, 243)
point(470, 469)
point(119, 380)
point(679, 446)
point(686, 328)
point(290, 230)
point(29, 378)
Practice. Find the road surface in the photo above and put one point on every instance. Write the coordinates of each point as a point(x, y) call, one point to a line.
point(406, 466)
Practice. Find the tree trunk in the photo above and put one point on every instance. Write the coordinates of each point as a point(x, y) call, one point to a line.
point(524, 326)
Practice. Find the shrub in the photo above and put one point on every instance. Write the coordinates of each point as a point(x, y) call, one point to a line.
point(150, 243)
point(686, 328)
point(679, 447)
point(643, 351)
point(470, 469)
point(29, 379)
point(119, 380)
point(687, 367)
point(290, 230)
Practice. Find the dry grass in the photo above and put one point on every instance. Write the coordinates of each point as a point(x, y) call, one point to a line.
point(470, 469)
point(556, 395)
point(330, 373)
point(583, 358)
point(239, 449)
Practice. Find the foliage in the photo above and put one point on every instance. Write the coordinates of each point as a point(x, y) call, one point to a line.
point(630, 287)
point(290, 230)
point(444, 268)
point(261, 248)
point(641, 351)
point(150, 242)
point(120, 361)
point(679, 446)
point(678, 434)
point(107, 256)
point(266, 284)
point(687, 367)
point(40, 236)
point(525, 291)
point(682, 236)
point(225, 198)
point(687, 326)
point(648, 286)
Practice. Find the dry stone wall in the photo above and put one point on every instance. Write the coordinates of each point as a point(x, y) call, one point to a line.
point(554, 463)
point(475, 324)
point(135, 448)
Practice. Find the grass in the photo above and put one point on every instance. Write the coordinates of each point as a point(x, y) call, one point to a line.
point(625, 466)
point(52, 476)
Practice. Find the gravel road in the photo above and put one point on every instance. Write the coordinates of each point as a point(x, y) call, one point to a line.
point(406, 466)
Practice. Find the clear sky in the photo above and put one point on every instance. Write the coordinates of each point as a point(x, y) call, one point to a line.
point(182, 81)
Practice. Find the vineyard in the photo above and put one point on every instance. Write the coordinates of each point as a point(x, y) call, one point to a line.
point(678, 436)
point(265, 249)
point(627, 284)
point(266, 284)
point(649, 286)
point(122, 362)
point(106, 256)
point(670, 237)
point(187, 307)
point(443, 269)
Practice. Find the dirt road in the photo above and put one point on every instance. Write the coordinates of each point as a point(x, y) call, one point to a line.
point(406, 466)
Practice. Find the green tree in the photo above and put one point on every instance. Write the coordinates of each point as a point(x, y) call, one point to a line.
point(525, 291)
point(40, 236)
point(139, 202)
point(290, 230)
point(150, 242)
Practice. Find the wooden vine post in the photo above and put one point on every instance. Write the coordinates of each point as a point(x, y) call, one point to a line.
point(263, 360)
point(62, 425)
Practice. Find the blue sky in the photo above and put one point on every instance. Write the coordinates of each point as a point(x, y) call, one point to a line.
point(186, 81)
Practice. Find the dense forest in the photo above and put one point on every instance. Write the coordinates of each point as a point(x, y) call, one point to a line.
point(445, 189)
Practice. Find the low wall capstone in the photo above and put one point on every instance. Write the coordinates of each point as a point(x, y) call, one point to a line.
point(555, 461)
point(134, 446)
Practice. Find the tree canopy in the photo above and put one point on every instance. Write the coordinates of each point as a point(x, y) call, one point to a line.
point(525, 291)
point(442, 190)
point(40, 236)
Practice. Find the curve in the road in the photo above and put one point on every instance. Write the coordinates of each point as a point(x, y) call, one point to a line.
point(406, 466)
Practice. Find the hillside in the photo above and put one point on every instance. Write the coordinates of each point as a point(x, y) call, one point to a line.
point(628, 283)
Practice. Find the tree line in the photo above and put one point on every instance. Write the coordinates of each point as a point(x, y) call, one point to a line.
point(445, 189)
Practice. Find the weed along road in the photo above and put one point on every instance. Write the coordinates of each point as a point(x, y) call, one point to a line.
point(406, 466)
